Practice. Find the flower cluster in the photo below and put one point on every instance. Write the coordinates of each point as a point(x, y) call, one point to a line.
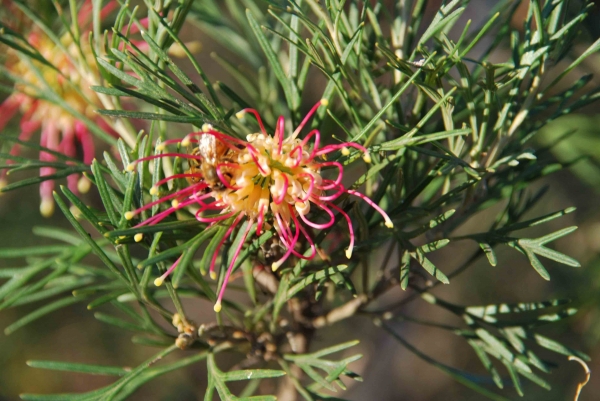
point(269, 181)
point(63, 74)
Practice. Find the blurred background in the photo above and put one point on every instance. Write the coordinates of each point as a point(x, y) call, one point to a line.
point(390, 372)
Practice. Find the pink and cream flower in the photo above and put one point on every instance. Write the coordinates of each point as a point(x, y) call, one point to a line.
point(65, 75)
point(61, 131)
point(267, 181)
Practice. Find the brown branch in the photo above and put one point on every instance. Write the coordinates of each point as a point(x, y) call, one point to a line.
point(340, 313)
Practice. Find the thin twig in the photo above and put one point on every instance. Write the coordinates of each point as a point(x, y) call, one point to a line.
point(340, 313)
point(588, 374)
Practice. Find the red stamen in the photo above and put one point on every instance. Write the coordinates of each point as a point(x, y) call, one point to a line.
point(308, 116)
point(317, 225)
point(176, 176)
point(260, 123)
point(261, 219)
point(388, 221)
point(338, 180)
point(279, 133)
point(227, 234)
point(152, 157)
point(158, 282)
point(313, 153)
point(213, 219)
point(340, 190)
point(216, 205)
point(350, 229)
point(230, 268)
point(162, 215)
point(282, 229)
point(291, 245)
point(332, 148)
point(308, 239)
point(165, 198)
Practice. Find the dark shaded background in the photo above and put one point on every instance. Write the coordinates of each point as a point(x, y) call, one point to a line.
point(390, 372)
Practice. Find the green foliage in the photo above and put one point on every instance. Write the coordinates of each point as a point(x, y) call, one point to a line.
point(450, 134)
point(333, 369)
point(130, 379)
point(218, 379)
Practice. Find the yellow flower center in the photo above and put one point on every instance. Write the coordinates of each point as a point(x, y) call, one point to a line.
point(265, 177)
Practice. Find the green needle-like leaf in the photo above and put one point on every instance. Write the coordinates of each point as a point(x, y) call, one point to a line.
point(79, 368)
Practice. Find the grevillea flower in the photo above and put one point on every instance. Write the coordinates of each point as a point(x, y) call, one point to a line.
point(61, 130)
point(268, 181)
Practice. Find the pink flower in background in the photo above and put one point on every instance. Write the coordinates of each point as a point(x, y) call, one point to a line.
point(61, 130)
point(267, 181)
